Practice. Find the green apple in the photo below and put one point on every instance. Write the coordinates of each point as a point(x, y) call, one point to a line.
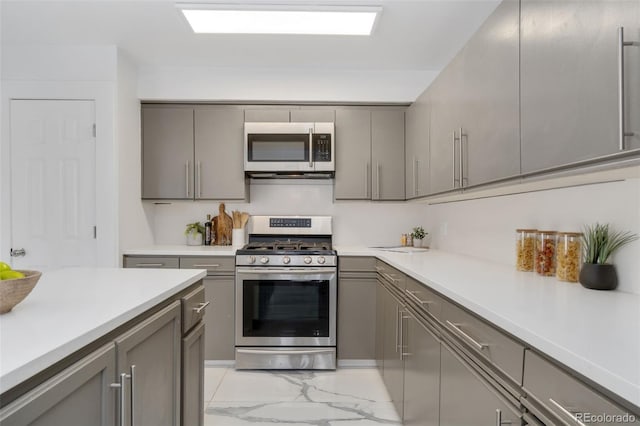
point(11, 275)
point(4, 267)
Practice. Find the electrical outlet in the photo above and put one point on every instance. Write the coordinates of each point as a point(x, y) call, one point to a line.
point(444, 227)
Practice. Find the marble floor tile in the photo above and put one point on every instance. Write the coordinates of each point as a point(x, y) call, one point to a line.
point(212, 378)
point(355, 397)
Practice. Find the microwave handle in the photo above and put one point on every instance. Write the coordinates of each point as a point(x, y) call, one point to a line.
point(311, 148)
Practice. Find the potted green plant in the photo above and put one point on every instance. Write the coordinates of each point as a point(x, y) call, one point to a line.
point(599, 244)
point(418, 235)
point(194, 233)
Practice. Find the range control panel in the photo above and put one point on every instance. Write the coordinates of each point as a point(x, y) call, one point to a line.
point(289, 222)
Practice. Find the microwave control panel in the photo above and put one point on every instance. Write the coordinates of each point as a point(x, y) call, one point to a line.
point(321, 147)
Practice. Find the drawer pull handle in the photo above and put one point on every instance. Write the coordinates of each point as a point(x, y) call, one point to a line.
point(566, 412)
point(412, 294)
point(149, 265)
point(465, 336)
point(201, 307)
point(499, 421)
point(213, 265)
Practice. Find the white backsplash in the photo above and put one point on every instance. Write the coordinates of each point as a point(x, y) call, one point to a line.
point(354, 222)
point(485, 228)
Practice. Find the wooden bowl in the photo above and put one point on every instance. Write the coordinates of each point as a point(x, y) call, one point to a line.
point(14, 291)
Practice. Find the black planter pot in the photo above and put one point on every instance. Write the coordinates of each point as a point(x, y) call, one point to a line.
point(598, 277)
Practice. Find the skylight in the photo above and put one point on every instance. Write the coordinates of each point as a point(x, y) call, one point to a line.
point(280, 19)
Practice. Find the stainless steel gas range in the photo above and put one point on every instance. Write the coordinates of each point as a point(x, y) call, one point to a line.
point(286, 294)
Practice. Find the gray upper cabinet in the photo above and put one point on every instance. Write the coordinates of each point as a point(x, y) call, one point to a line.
point(417, 147)
point(312, 115)
point(570, 77)
point(353, 154)
point(79, 395)
point(150, 354)
point(387, 154)
point(219, 153)
point(489, 113)
point(444, 141)
point(266, 114)
point(167, 152)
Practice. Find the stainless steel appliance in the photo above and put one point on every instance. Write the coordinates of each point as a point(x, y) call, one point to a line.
point(289, 149)
point(286, 294)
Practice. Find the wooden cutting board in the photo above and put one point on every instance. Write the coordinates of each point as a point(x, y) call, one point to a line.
point(223, 226)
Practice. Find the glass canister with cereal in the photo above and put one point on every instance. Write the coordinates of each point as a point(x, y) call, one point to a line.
point(569, 253)
point(545, 253)
point(525, 243)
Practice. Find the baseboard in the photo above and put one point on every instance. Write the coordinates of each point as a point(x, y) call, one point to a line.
point(357, 363)
point(219, 363)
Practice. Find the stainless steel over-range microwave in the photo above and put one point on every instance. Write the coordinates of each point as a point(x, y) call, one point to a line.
point(289, 148)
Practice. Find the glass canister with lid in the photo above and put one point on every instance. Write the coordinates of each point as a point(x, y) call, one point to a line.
point(569, 253)
point(545, 253)
point(525, 246)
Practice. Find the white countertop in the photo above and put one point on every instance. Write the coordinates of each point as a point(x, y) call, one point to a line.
point(596, 333)
point(70, 308)
point(182, 250)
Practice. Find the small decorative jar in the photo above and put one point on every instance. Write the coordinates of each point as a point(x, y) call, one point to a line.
point(545, 253)
point(525, 243)
point(569, 251)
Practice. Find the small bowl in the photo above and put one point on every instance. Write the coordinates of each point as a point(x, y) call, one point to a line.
point(14, 291)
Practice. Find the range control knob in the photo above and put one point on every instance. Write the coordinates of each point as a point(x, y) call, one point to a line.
point(321, 260)
point(251, 259)
point(286, 260)
point(264, 260)
point(307, 260)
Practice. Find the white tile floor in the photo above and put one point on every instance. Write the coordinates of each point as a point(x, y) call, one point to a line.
point(355, 397)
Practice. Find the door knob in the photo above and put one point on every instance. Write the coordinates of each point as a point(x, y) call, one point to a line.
point(18, 252)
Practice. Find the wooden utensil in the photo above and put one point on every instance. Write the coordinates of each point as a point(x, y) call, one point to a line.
point(244, 218)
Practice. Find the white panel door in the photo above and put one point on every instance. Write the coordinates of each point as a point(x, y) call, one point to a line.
point(53, 189)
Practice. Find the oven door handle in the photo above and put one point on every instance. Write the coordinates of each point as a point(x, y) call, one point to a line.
point(302, 271)
point(286, 352)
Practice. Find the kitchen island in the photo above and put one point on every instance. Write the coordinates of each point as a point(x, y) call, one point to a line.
point(70, 311)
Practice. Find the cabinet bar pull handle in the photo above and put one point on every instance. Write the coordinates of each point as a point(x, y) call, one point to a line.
point(397, 316)
point(401, 333)
point(149, 265)
point(378, 180)
point(132, 375)
point(499, 421)
point(412, 294)
point(566, 412)
point(204, 265)
point(453, 161)
point(311, 148)
point(123, 398)
point(621, 119)
point(461, 162)
point(186, 177)
point(201, 307)
point(465, 336)
point(119, 388)
point(199, 179)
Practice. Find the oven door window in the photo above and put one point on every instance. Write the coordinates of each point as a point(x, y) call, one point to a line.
point(275, 308)
point(278, 147)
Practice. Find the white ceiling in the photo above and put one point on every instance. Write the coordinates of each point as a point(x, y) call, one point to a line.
point(410, 35)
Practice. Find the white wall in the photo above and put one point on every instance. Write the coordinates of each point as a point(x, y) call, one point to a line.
point(256, 84)
point(485, 228)
point(354, 223)
point(135, 218)
point(70, 72)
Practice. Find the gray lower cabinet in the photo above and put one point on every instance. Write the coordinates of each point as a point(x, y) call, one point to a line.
point(381, 295)
point(79, 395)
point(570, 78)
point(467, 399)
point(417, 147)
point(149, 354)
point(219, 318)
point(356, 315)
point(192, 407)
point(392, 363)
point(219, 153)
point(167, 152)
point(489, 113)
point(353, 154)
point(387, 154)
point(421, 372)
